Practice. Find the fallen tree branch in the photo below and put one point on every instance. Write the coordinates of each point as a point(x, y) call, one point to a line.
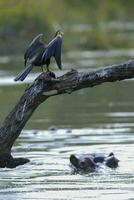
point(44, 87)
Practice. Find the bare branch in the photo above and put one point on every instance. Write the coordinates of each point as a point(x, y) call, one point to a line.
point(42, 88)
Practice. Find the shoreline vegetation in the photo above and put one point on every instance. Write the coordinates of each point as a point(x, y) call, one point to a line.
point(88, 24)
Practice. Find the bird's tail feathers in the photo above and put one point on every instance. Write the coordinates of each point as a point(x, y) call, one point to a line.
point(22, 75)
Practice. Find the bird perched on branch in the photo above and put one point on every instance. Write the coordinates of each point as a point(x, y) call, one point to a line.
point(39, 54)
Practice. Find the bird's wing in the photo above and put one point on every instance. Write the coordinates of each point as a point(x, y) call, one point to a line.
point(53, 49)
point(35, 46)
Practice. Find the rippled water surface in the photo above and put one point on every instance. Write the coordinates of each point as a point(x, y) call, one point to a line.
point(99, 119)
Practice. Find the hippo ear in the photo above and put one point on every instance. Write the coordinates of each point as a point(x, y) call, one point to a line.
point(112, 162)
point(74, 160)
point(111, 154)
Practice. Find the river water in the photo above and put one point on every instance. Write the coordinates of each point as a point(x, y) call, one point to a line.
point(99, 119)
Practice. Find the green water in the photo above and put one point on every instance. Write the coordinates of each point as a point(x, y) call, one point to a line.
point(98, 119)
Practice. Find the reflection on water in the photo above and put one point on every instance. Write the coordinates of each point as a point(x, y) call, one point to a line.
point(96, 119)
point(113, 25)
point(48, 175)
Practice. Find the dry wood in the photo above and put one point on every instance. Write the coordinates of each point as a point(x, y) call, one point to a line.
point(46, 86)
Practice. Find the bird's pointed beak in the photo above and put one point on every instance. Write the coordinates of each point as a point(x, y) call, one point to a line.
point(61, 33)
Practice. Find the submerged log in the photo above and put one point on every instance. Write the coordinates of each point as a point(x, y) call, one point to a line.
point(44, 87)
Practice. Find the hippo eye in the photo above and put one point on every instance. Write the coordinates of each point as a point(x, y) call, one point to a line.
point(82, 164)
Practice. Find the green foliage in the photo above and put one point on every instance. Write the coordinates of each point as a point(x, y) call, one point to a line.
point(25, 18)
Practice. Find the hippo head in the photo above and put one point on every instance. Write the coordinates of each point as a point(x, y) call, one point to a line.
point(85, 164)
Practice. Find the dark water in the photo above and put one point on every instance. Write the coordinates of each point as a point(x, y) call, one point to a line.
point(99, 119)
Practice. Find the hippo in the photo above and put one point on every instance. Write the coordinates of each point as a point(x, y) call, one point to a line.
point(90, 162)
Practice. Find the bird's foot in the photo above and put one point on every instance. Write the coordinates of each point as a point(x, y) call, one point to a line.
point(42, 69)
point(52, 75)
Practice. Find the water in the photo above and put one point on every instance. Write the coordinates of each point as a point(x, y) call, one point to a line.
point(98, 119)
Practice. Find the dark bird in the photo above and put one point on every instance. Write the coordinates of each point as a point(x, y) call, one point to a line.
point(39, 54)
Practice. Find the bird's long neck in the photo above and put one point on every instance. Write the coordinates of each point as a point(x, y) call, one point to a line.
point(58, 34)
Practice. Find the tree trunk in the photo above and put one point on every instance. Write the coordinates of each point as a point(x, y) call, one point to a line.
point(45, 86)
